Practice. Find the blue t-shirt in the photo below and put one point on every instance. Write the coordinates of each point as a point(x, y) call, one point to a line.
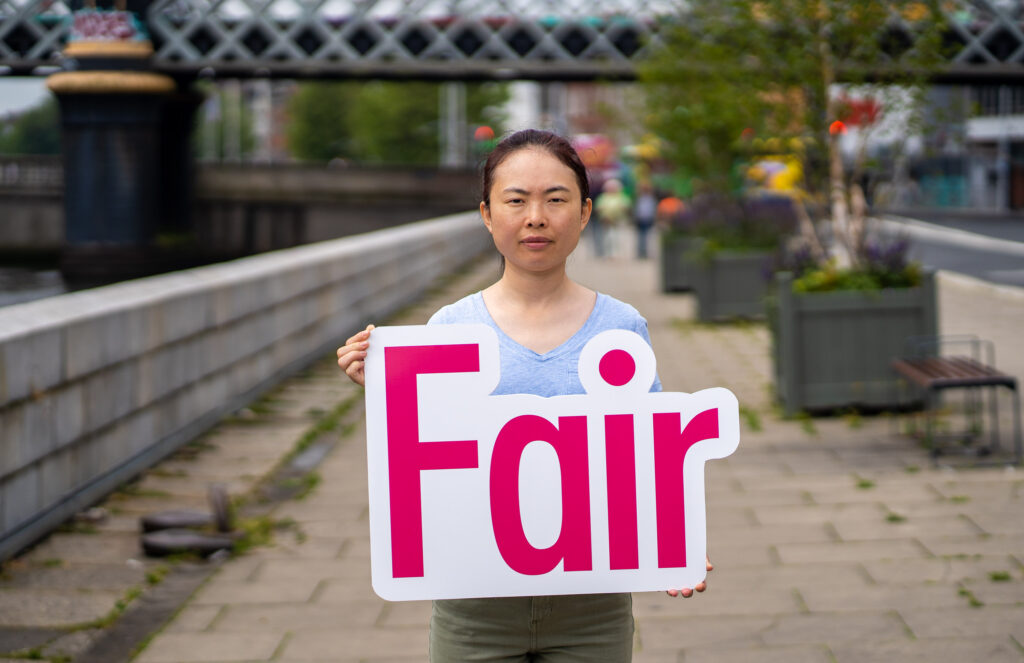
point(554, 373)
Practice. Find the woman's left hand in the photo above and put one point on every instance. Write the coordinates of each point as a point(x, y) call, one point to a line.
point(687, 592)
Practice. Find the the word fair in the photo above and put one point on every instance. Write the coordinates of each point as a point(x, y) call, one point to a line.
point(475, 495)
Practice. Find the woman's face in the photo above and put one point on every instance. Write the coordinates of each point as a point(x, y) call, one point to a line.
point(536, 215)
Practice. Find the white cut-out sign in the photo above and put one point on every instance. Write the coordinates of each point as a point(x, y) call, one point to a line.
point(475, 495)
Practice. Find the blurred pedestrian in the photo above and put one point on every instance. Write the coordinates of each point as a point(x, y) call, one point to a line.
point(644, 211)
point(615, 210)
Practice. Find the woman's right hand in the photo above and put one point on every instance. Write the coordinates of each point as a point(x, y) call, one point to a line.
point(352, 356)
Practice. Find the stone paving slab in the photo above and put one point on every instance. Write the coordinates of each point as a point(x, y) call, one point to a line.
point(243, 467)
point(211, 647)
point(816, 513)
point(295, 617)
point(310, 549)
point(16, 638)
point(848, 493)
point(194, 491)
point(835, 628)
point(761, 598)
point(288, 570)
point(782, 496)
point(673, 634)
point(343, 642)
point(135, 506)
point(406, 613)
point(195, 618)
point(967, 546)
point(86, 548)
point(934, 570)
point(900, 527)
point(785, 578)
point(277, 591)
point(346, 525)
point(851, 551)
point(990, 593)
point(726, 517)
point(54, 608)
point(746, 554)
point(71, 644)
point(343, 592)
point(769, 535)
point(990, 621)
point(989, 650)
point(761, 654)
point(80, 576)
point(832, 598)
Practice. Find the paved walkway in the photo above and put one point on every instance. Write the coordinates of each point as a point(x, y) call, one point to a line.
point(833, 539)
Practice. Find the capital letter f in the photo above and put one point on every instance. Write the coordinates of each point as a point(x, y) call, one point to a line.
point(407, 455)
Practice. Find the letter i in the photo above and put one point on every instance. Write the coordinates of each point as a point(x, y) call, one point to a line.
point(620, 461)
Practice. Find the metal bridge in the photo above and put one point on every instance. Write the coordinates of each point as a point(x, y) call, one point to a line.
point(443, 39)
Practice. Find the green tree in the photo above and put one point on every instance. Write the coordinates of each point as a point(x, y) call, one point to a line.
point(732, 69)
point(485, 104)
point(36, 131)
point(318, 120)
point(380, 121)
point(395, 122)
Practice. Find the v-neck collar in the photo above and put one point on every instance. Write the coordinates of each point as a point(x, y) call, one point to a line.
point(566, 346)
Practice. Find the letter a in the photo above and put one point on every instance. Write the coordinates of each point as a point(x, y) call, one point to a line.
point(569, 440)
point(407, 455)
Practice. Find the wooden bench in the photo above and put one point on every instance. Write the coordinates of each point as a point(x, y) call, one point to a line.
point(934, 374)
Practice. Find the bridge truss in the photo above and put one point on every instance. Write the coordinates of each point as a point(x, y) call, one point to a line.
point(443, 39)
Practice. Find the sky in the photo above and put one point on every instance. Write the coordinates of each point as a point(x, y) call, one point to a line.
point(20, 92)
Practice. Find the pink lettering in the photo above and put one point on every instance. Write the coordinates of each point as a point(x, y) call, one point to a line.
point(623, 546)
point(670, 447)
point(569, 440)
point(407, 455)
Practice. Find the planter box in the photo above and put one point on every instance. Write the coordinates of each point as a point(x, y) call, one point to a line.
point(677, 265)
point(732, 284)
point(833, 349)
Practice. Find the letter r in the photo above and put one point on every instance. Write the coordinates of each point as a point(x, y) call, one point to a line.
point(407, 454)
point(670, 448)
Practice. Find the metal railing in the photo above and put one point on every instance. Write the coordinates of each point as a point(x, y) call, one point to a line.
point(31, 172)
point(449, 39)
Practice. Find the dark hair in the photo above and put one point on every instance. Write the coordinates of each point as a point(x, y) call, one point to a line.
point(554, 144)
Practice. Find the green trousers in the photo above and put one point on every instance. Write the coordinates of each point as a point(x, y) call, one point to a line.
point(585, 628)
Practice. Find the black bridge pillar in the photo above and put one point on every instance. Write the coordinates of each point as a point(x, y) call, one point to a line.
point(127, 152)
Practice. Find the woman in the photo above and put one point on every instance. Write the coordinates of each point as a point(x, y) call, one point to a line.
point(535, 204)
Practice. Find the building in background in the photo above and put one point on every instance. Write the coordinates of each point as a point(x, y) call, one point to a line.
point(995, 147)
point(968, 153)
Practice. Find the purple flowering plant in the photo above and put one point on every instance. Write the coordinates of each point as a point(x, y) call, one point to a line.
point(754, 223)
point(878, 263)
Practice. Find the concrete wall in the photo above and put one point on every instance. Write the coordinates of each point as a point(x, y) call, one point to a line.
point(251, 207)
point(31, 203)
point(34, 222)
point(99, 384)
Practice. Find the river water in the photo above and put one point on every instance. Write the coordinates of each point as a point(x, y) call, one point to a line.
point(19, 284)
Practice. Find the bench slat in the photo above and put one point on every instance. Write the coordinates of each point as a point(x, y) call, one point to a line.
point(945, 372)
